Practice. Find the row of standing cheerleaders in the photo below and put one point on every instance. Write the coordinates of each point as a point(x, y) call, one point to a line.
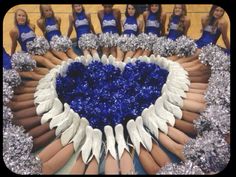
point(54, 156)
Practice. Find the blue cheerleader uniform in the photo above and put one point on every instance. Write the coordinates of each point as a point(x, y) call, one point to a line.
point(109, 23)
point(152, 25)
point(51, 28)
point(174, 33)
point(130, 26)
point(81, 24)
point(26, 34)
point(208, 36)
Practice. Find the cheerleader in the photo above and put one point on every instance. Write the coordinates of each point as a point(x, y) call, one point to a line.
point(178, 22)
point(213, 25)
point(81, 20)
point(50, 25)
point(110, 23)
point(154, 20)
point(132, 26)
point(23, 32)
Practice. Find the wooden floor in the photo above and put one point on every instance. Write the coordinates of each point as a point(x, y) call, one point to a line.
point(195, 12)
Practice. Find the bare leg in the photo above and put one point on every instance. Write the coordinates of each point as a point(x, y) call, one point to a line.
point(129, 54)
point(29, 112)
point(41, 71)
point(120, 54)
point(52, 58)
point(159, 155)
point(23, 97)
point(173, 57)
point(190, 116)
point(186, 127)
point(126, 163)
point(58, 160)
point(138, 53)
point(148, 163)
point(187, 59)
point(198, 91)
point(21, 90)
point(31, 75)
point(16, 106)
point(199, 72)
point(193, 106)
point(27, 123)
point(86, 53)
point(201, 86)
point(94, 52)
point(92, 167)
point(59, 54)
point(105, 51)
point(49, 151)
point(146, 53)
point(113, 52)
point(43, 61)
point(39, 130)
point(71, 53)
point(195, 97)
point(43, 140)
point(177, 135)
point(171, 145)
point(79, 166)
point(203, 79)
point(111, 165)
point(190, 64)
point(29, 83)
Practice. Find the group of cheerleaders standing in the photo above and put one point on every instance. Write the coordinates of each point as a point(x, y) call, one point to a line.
point(120, 38)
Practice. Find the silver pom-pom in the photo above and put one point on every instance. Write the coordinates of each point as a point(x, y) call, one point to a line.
point(7, 93)
point(127, 43)
point(185, 46)
point(60, 43)
point(88, 41)
point(184, 168)
point(210, 152)
point(7, 116)
point(146, 41)
point(108, 40)
point(215, 57)
point(215, 117)
point(17, 147)
point(39, 46)
point(22, 61)
point(12, 77)
point(164, 47)
point(218, 91)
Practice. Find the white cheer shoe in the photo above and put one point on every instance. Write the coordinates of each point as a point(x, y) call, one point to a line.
point(134, 135)
point(119, 131)
point(110, 141)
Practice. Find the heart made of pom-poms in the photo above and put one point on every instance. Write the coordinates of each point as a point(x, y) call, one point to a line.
point(105, 95)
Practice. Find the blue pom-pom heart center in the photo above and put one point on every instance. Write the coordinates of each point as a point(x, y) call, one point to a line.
point(105, 95)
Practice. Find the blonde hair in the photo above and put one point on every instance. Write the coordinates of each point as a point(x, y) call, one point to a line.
point(43, 16)
point(27, 18)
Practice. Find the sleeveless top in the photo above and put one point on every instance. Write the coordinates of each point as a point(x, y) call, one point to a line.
point(51, 28)
point(152, 25)
point(6, 59)
point(109, 23)
point(81, 24)
point(130, 26)
point(208, 36)
point(26, 34)
point(174, 33)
